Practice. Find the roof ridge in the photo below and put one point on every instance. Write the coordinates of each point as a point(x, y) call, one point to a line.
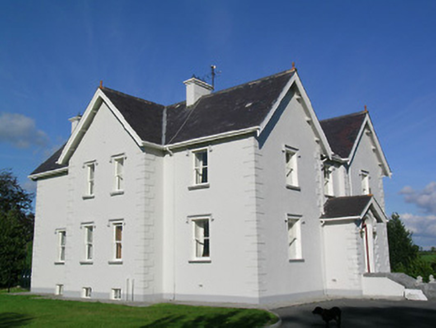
point(343, 116)
point(130, 96)
point(291, 70)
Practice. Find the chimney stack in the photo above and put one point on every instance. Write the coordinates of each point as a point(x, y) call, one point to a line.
point(195, 89)
point(74, 122)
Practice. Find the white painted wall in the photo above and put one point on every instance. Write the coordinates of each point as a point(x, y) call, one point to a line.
point(365, 159)
point(230, 200)
point(380, 287)
point(344, 258)
point(140, 208)
point(280, 278)
point(45, 273)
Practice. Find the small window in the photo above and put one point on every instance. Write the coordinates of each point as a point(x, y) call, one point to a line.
point(201, 174)
point(116, 294)
point(328, 180)
point(62, 239)
point(294, 238)
point(89, 237)
point(119, 174)
point(118, 241)
point(90, 187)
point(59, 290)
point(291, 167)
point(86, 292)
point(364, 176)
point(201, 238)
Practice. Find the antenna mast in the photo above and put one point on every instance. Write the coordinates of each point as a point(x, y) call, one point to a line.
point(213, 68)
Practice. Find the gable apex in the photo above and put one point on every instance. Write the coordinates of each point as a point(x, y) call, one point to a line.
point(86, 120)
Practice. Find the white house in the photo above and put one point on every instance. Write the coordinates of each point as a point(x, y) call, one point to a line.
point(240, 195)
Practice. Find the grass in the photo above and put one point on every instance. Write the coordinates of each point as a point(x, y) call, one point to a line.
point(33, 311)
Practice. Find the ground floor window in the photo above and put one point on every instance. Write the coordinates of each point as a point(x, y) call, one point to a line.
point(294, 237)
point(59, 290)
point(201, 238)
point(116, 293)
point(86, 292)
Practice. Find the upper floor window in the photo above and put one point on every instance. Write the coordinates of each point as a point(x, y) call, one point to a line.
point(328, 180)
point(119, 173)
point(90, 179)
point(294, 237)
point(201, 174)
point(201, 238)
point(62, 240)
point(364, 178)
point(291, 156)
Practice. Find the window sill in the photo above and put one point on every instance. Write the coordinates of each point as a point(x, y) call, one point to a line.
point(59, 263)
point(199, 186)
point(117, 192)
point(88, 196)
point(86, 262)
point(205, 260)
point(116, 262)
point(293, 187)
point(296, 260)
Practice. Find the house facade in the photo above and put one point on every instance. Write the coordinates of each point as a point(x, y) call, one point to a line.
point(240, 195)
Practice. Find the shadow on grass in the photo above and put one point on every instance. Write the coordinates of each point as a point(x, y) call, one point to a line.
point(11, 319)
point(228, 320)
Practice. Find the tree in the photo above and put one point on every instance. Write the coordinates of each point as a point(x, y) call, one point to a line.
point(16, 227)
point(403, 252)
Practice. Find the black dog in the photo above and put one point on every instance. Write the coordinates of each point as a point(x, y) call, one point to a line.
point(328, 315)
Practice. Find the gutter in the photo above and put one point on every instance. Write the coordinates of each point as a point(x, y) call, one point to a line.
point(47, 173)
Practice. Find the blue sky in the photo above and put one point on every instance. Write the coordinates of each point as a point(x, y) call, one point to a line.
point(382, 54)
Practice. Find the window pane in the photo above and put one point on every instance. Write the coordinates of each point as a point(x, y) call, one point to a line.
point(118, 251)
point(118, 232)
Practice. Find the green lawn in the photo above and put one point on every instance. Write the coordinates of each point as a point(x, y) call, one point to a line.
point(31, 311)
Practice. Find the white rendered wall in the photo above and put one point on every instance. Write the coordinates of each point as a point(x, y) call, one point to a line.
point(51, 212)
point(379, 287)
point(231, 274)
point(139, 208)
point(279, 277)
point(366, 159)
point(344, 258)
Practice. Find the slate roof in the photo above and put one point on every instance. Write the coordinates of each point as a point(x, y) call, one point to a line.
point(342, 131)
point(143, 116)
point(233, 109)
point(50, 164)
point(237, 108)
point(348, 206)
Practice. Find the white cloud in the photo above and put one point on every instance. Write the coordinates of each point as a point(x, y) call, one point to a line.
point(425, 199)
point(20, 131)
point(422, 227)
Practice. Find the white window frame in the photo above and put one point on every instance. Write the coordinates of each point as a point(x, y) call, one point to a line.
point(116, 294)
point(291, 167)
point(201, 170)
point(328, 180)
point(364, 180)
point(293, 225)
point(201, 238)
point(62, 241)
point(119, 174)
point(86, 292)
point(89, 244)
point(117, 245)
point(90, 179)
point(59, 289)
